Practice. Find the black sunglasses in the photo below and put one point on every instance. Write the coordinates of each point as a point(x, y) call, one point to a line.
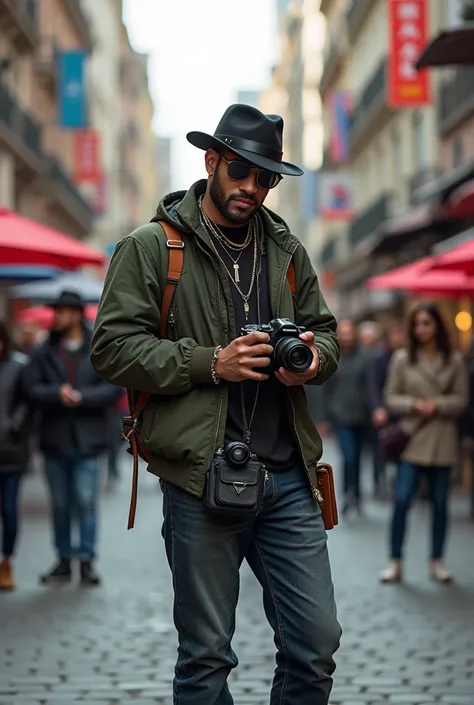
point(239, 171)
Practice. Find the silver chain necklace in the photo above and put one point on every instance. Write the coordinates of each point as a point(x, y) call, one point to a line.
point(207, 223)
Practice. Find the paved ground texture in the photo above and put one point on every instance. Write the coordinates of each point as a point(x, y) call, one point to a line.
point(410, 644)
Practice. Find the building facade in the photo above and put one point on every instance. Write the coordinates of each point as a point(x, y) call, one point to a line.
point(36, 155)
point(391, 153)
point(138, 143)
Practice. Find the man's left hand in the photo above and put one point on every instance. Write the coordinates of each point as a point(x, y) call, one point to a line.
point(293, 379)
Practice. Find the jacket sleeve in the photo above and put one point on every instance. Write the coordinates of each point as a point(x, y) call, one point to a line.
point(398, 402)
point(453, 404)
point(374, 395)
point(126, 348)
point(313, 313)
point(40, 394)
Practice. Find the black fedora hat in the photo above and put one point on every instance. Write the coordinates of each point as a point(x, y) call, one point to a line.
point(69, 299)
point(256, 137)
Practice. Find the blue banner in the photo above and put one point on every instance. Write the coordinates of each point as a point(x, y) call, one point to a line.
point(72, 105)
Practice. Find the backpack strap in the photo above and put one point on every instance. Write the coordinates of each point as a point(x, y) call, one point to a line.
point(175, 244)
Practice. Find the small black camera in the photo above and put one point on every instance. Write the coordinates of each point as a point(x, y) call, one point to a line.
point(288, 350)
point(237, 453)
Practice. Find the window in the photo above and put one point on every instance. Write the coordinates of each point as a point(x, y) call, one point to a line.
point(420, 142)
point(458, 156)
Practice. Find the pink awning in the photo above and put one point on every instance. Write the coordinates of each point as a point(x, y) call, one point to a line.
point(23, 241)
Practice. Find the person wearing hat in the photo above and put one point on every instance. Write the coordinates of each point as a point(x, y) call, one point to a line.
point(209, 388)
point(73, 401)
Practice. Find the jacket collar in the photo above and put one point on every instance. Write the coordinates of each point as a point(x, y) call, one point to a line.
point(181, 209)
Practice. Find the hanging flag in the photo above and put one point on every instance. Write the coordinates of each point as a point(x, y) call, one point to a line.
point(408, 28)
point(72, 107)
point(339, 110)
point(86, 156)
point(336, 195)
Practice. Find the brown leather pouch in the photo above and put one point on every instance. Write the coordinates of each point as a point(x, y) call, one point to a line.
point(327, 490)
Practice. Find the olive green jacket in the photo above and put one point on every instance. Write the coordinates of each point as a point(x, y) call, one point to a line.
point(184, 423)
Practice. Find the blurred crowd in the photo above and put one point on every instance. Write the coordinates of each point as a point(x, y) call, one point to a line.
point(53, 406)
point(403, 397)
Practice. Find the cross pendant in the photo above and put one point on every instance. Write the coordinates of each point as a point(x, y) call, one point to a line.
point(246, 310)
point(236, 272)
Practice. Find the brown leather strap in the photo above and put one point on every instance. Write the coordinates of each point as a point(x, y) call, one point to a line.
point(133, 497)
point(175, 244)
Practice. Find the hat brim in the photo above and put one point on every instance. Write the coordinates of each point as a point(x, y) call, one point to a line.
point(202, 140)
point(66, 304)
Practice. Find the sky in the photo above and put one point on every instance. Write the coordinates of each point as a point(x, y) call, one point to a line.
point(201, 53)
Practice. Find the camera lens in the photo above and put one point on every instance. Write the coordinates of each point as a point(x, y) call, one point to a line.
point(237, 453)
point(293, 355)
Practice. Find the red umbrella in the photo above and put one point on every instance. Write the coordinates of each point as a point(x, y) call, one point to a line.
point(398, 278)
point(447, 284)
point(43, 316)
point(23, 241)
point(461, 259)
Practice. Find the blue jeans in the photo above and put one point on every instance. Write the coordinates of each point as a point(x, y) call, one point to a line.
point(350, 440)
point(9, 490)
point(74, 487)
point(285, 546)
point(406, 485)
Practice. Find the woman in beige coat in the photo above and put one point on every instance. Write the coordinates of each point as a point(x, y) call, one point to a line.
point(426, 391)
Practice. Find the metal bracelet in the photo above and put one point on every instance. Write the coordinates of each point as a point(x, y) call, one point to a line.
point(322, 360)
point(215, 357)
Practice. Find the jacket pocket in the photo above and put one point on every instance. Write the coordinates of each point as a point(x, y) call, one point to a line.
point(180, 428)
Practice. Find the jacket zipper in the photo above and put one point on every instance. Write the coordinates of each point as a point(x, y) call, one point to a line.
point(221, 391)
point(314, 490)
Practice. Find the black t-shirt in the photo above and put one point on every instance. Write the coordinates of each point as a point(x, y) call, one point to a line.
point(272, 440)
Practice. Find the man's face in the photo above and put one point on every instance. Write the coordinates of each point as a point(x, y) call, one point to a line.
point(236, 201)
point(66, 318)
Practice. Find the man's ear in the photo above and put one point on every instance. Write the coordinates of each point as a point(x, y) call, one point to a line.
point(212, 160)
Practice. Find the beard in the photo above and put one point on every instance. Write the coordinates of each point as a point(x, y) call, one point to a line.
point(224, 203)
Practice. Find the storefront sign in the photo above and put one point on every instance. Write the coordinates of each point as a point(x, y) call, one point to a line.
point(337, 196)
point(86, 156)
point(72, 108)
point(339, 110)
point(408, 28)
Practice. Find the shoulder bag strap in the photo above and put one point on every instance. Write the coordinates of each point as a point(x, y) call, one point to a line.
point(175, 245)
point(291, 277)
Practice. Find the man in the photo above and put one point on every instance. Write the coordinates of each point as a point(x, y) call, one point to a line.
point(210, 388)
point(347, 411)
point(73, 402)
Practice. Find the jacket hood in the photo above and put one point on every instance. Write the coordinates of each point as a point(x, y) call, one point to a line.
point(181, 210)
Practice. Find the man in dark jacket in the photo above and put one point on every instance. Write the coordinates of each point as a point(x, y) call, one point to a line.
point(347, 410)
point(210, 389)
point(73, 402)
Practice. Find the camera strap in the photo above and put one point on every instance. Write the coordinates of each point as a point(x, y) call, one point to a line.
point(248, 423)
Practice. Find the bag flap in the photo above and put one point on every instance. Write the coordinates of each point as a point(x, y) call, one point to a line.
point(249, 474)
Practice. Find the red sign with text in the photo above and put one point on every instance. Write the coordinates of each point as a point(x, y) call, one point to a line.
point(408, 27)
point(86, 156)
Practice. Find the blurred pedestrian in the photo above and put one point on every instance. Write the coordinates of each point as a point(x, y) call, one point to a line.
point(215, 412)
point(73, 402)
point(346, 410)
point(376, 378)
point(13, 450)
point(370, 335)
point(427, 390)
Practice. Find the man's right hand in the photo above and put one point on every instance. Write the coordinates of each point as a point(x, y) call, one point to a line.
point(237, 360)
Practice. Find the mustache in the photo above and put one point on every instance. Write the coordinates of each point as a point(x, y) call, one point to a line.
point(242, 194)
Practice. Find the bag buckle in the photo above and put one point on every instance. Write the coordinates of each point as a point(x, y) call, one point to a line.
point(175, 244)
point(129, 426)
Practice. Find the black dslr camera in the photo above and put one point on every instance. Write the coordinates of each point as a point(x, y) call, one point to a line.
point(288, 350)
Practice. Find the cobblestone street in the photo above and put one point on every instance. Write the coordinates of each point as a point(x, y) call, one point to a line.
point(410, 644)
